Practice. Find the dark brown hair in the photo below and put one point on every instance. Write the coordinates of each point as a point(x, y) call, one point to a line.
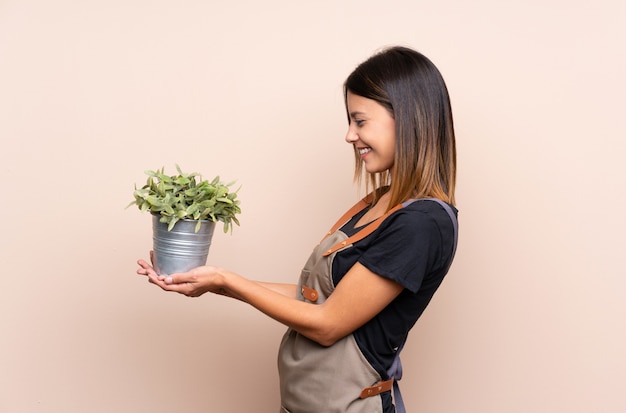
point(412, 89)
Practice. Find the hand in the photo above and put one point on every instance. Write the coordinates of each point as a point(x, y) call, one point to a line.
point(193, 283)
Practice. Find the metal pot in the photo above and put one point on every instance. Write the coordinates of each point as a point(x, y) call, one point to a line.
point(180, 249)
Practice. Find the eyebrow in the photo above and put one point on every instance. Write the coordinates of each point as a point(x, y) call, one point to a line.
point(356, 113)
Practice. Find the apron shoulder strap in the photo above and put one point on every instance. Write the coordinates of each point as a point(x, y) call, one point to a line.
point(356, 208)
point(371, 227)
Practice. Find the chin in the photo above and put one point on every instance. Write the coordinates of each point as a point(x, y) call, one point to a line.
point(374, 170)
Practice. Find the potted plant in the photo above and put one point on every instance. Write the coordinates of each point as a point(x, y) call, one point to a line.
point(185, 209)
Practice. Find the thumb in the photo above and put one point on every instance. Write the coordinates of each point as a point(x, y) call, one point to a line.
point(175, 279)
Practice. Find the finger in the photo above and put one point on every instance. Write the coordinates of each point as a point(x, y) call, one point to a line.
point(179, 279)
point(183, 288)
point(158, 280)
point(145, 267)
point(142, 270)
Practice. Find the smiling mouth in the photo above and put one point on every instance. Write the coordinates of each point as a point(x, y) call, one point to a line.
point(363, 151)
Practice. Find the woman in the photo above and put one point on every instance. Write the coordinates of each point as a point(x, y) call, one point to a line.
point(368, 281)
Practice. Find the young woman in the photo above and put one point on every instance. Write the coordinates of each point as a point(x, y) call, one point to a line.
point(371, 277)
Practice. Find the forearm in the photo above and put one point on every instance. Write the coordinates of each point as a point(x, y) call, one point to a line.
point(288, 290)
point(278, 302)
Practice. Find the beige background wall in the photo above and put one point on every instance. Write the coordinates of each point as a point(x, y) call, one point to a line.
point(531, 317)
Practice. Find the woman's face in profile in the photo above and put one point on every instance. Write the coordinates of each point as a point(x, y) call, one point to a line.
point(372, 131)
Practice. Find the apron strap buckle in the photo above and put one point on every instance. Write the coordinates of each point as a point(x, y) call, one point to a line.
point(377, 389)
point(309, 293)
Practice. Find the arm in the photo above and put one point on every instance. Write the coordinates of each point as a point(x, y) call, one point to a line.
point(359, 296)
point(193, 288)
point(288, 290)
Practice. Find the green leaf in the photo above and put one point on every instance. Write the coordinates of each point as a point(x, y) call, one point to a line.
point(183, 196)
point(172, 223)
point(181, 180)
point(153, 200)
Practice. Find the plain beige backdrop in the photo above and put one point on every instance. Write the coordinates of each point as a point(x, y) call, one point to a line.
point(532, 315)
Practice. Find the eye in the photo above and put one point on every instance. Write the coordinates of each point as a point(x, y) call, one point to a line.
point(359, 122)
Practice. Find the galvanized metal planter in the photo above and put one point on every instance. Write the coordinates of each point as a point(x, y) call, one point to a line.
point(180, 249)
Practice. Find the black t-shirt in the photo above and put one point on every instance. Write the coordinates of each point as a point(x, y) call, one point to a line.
point(411, 247)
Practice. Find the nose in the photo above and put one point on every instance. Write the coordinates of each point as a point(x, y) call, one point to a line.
point(351, 135)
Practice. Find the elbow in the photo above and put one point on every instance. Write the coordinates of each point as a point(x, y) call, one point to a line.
point(326, 336)
point(325, 328)
point(325, 341)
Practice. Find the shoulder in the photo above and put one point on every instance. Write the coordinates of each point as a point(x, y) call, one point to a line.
point(412, 243)
point(424, 214)
point(426, 225)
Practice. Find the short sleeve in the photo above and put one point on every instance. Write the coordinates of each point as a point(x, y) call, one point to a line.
point(405, 248)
